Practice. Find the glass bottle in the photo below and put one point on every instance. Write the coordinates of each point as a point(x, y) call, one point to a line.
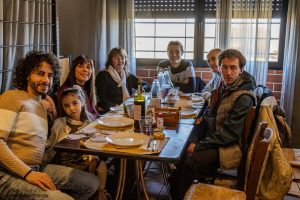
point(149, 121)
point(160, 122)
point(155, 88)
point(160, 75)
point(167, 79)
point(166, 84)
point(139, 105)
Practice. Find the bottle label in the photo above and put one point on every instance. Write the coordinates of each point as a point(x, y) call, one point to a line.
point(160, 123)
point(137, 112)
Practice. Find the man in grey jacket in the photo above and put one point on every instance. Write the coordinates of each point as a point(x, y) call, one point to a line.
point(222, 124)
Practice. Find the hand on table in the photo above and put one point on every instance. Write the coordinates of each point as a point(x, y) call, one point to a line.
point(41, 180)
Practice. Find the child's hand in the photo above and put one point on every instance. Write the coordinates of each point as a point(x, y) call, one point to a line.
point(93, 165)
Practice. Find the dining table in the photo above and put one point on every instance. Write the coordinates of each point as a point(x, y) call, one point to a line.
point(169, 150)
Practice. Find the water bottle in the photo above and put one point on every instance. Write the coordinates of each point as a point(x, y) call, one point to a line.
point(160, 76)
point(167, 79)
point(166, 84)
point(155, 93)
point(155, 88)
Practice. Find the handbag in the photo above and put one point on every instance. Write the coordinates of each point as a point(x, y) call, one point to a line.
point(230, 157)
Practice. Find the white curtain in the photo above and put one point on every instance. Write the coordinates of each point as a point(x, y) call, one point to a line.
point(245, 26)
point(115, 27)
point(19, 34)
point(290, 63)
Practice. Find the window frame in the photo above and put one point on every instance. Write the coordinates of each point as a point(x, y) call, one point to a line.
point(199, 36)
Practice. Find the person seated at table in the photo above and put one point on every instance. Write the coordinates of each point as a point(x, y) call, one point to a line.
point(221, 125)
point(216, 79)
point(182, 70)
point(75, 116)
point(23, 134)
point(82, 73)
point(115, 84)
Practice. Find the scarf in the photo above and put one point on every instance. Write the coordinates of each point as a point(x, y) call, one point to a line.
point(121, 81)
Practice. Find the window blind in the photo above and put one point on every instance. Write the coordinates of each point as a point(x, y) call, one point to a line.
point(164, 8)
point(188, 8)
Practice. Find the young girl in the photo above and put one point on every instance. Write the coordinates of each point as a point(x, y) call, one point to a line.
point(75, 117)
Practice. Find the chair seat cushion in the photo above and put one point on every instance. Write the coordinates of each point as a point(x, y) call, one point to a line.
point(202, 191)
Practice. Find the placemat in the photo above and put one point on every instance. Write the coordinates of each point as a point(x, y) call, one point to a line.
point(132, 150)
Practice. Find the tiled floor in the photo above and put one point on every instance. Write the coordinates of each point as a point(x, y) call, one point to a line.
point(155, 183)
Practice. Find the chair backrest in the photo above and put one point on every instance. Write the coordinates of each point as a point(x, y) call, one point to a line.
point(261, 92)
point(261, 143)
point(200, 84)
point(244, 147)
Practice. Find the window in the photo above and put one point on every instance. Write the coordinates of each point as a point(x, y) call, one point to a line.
point(25, 25)
point(159, 21)
point(153, 35)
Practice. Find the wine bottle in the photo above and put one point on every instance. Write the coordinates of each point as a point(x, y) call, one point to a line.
point(139, 105)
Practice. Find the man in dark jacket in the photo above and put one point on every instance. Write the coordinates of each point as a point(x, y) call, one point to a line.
point(222, 123)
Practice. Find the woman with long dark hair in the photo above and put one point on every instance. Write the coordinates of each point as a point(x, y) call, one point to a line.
point(82, 73)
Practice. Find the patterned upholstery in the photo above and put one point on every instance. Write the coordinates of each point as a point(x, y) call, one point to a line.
point(208, 192)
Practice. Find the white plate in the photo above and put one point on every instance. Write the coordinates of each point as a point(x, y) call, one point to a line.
point(75, 136)
point(197, 105)
point(197, 99)
point(98, 139)
point(127, 139)
point(117, 108)
point(188, 111)
point(115, 121)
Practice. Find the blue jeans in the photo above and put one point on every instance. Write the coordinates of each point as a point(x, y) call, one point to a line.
point(71, 184)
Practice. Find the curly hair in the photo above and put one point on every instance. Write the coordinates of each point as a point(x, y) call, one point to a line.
point(89, 86)
point(232, 53)
point(33, 60)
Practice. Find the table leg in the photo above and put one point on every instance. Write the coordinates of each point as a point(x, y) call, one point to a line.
point(166, 173)
point(122, 178)
point(140, 178)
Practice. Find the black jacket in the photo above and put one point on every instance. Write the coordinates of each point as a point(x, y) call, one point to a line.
point(108, 92)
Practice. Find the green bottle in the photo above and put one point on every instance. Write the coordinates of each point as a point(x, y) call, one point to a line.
point(139, 106)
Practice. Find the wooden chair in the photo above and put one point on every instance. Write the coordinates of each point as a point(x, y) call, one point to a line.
point(261, 143)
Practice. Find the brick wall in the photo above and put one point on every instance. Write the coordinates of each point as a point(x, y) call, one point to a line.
point(274, 80)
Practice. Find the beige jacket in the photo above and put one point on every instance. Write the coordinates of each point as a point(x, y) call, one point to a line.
point(276, 174)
